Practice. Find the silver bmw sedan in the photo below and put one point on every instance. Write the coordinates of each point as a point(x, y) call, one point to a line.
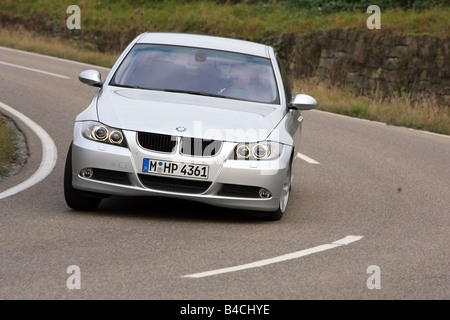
point(196, 117)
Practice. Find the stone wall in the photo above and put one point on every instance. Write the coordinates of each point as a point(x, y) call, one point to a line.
point(373, 62)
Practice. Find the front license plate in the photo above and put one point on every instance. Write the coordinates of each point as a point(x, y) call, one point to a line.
point(175, 168)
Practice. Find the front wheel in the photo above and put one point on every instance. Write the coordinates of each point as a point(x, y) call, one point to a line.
point(75, 199)
point(284, 198)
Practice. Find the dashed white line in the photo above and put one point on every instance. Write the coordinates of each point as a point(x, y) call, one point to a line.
point(289, 256)
point(49, 154)
point(307, 159)
point(34, 70)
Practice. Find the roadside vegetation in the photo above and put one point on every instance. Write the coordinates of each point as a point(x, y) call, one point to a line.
point(398, 110)
point(251, 19)
point(41, 27)
point(53, 46)
point(7, 147)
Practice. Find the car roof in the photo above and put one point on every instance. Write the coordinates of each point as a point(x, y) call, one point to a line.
point(206, 42)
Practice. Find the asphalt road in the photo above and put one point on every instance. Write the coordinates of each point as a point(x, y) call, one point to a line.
point(389, 187)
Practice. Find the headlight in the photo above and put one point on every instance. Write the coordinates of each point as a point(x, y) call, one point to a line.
point(99, 132)
point(257, 151)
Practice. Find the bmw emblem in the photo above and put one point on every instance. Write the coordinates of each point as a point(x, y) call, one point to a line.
point(181, 129)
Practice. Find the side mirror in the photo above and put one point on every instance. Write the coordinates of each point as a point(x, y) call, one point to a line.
point(304, 102)
point(91, 77)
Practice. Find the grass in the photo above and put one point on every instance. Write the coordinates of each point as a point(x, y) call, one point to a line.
point(7, 147)
point(398, 110)
point(54, 46)
point(251, 20)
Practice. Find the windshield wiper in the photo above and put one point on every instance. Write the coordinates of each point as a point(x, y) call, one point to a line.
point(127, 86)
point(200, 93)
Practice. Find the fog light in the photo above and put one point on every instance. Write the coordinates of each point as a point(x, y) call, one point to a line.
point(264, 193)
point(87, 173)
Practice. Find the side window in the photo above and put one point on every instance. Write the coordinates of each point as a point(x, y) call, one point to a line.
point(284, 77)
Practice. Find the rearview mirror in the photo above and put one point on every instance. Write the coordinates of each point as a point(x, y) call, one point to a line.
point(91, 77)
point(304, 102)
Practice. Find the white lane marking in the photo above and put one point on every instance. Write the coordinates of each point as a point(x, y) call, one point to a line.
point(289, 256)
point(307, 159)
point(52, 58)
point(49, 154)
point(34, 70)
point(380, 123)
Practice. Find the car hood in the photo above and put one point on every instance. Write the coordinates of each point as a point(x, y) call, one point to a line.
point(201, 116)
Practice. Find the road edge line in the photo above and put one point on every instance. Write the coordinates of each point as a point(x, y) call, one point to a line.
point(49, 154)
point(52, 57)
point(382, 123)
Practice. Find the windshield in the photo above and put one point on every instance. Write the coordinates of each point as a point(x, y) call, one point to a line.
point(198, 71)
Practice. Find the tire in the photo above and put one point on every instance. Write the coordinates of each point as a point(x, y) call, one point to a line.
point(287, 185)
point(75, 199)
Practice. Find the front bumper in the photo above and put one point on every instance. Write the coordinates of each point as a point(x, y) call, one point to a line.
point(231, 183)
